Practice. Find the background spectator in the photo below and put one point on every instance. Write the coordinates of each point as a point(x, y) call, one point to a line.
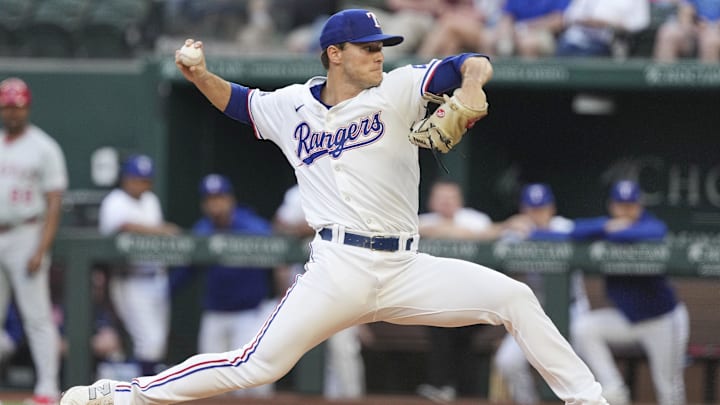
point(218, 19)
point(303, 20)
point(414, 20)
point(33, 177)
point(466, 27)
point(694, 31)
point(646, 309)
point(593, 27)
point(448, 218)
point(411, 19)
point(237, 300)
point(139, 291)
point(528, 28)
point(449, 347)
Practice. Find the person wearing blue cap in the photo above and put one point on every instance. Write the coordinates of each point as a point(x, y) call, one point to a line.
point(537, 220)
point(352, 138)
point(645, 308)
point(237, 299)
point(139, 291)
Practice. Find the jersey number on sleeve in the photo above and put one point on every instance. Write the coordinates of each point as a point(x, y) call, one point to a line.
point(20, 196)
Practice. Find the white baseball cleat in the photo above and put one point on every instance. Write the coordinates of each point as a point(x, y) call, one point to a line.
point(100, 393)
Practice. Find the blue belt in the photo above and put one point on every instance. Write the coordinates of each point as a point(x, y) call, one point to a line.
point(384, 243)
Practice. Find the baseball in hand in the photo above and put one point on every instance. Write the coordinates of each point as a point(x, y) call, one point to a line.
point(190, 55)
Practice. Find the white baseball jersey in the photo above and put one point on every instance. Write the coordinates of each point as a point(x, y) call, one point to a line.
point(291, 211)
point(30, 166)
point(377, 190)
point(468, 218)
point(119, 208)
point(630, 15)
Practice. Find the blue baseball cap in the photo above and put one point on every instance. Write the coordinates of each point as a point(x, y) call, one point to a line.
point(537, 195)
point(354, 25)
point(139, 166)
point(215, 184)
point(625, 191)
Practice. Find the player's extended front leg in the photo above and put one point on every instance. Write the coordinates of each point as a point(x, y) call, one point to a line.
point(448, 292)
point(304, 318)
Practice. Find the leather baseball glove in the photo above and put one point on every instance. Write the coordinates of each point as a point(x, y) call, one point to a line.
point(445, 127)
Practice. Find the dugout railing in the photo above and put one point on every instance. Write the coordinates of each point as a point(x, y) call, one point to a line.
point(79, 249)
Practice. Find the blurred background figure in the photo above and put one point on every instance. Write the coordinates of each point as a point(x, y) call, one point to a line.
point(448, 218)
point(646, 309)
point(537, 220)
point(139, 291)
point(344, 373)
point(601, 28)
point(106, 341)
point(237, 299)
point(33, 177)
point(464, 28)
point(303, 20)
point(414, 20)
point(529, 28)
point(411, 19)
point(218, 19)
point(694, 31)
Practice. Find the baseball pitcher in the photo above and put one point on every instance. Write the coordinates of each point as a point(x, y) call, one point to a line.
point(352, 139)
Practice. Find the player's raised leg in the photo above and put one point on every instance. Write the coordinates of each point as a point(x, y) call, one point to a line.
point(448, 292)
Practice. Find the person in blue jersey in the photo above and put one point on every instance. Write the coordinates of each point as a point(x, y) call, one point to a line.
point(237, 300)
point(645, 308)
point(529, 28)
point(596, 28)
point(536, 220)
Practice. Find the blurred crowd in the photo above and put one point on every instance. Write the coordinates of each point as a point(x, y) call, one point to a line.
point(665, 30)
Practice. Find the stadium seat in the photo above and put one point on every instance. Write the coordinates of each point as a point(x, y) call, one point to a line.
point(13, 15)
point(113, 28)
point(52, 30)
point(642, 44)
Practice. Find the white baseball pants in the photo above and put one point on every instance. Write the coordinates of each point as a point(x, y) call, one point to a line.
point(143, 305)
point(344, 367)
point(664, 339)
point(32, 295)
point(346, 285)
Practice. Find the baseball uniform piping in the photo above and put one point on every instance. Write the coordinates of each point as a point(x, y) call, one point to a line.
point(206, 365)
point(428, 76)
point(252, 120)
